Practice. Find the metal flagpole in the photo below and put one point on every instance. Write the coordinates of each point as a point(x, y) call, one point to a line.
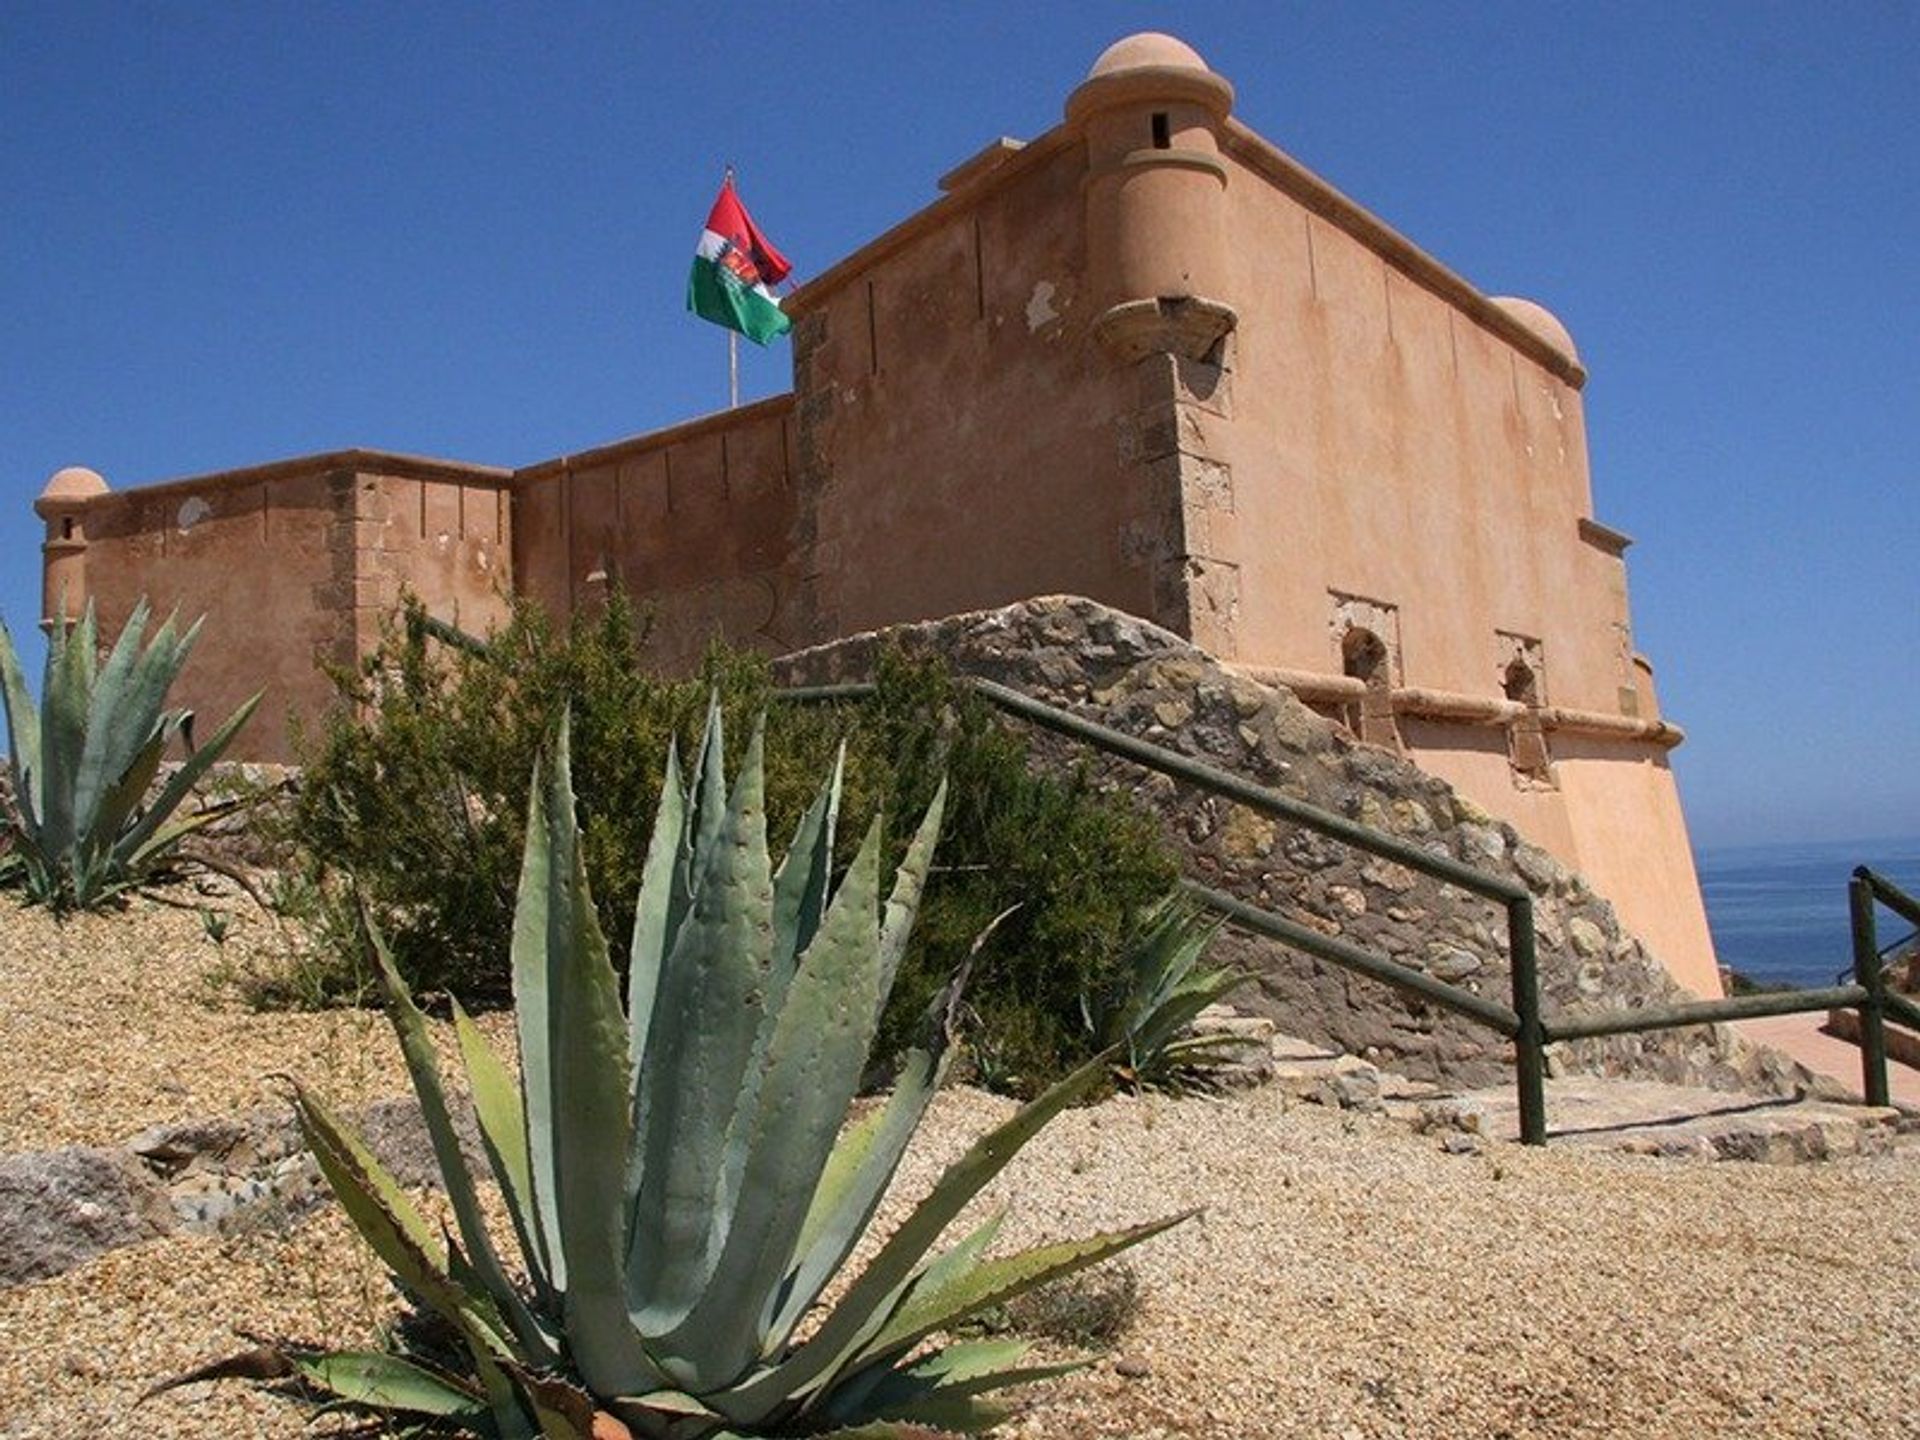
point(733, 339)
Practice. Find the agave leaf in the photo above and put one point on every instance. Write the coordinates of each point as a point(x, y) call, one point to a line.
point(23, 740)
point(532, 922)
point(908, 886)
point(379, 1381)
point(879, 1286)
point(563, 1410)
point(416, 1047)
point(863, 1165)
point(134, 848)
point(125, 710)
point(503, 1134)
point(800, 886)
point(980, 1286)
point(263, 1362)
point(63, 731)
point(960, 1371)
point(709, 789)
point(867, 1396)
point(845, 1397)
point(813, 1066)
point(581, 1129)
point(117, 807)
point(390, 1225)
point(698, 1064)
point(949, 1411)
point(659, 911)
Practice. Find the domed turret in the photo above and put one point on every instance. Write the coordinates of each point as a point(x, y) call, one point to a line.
point(1151, 113)
point(63, 564)
point(1542, 322)
point(74, 483)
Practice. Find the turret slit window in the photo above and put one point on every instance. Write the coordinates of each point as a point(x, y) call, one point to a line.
point(1162, 131)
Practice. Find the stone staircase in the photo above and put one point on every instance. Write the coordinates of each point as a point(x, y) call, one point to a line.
point(1634, 1116)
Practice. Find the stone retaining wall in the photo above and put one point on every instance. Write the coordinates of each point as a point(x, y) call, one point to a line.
point(1138, 678)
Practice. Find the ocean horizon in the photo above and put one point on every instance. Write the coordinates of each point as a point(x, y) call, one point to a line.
point(1779, 911)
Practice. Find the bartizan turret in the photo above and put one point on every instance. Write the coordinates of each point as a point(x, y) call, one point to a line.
point(63, 565)
point(1151, 113)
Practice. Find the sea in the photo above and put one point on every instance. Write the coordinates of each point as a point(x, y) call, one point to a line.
point(1779, 912)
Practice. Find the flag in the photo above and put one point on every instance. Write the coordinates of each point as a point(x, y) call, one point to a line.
point(733, 270)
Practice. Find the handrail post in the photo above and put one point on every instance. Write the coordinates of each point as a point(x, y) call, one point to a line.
point(1868, 975)
point(1530, 1043)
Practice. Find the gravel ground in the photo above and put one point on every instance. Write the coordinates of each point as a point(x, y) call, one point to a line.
point(1347, 1279)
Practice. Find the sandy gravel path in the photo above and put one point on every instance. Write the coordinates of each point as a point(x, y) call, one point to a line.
point(1347, 1280)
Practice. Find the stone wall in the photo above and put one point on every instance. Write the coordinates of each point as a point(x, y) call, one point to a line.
point(1147, 682)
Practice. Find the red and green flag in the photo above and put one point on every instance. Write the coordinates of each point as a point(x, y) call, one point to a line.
point(734, 271)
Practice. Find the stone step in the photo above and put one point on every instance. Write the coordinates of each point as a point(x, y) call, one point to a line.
point(1646, 1118)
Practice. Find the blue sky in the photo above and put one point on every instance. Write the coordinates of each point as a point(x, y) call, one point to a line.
point(230, 234)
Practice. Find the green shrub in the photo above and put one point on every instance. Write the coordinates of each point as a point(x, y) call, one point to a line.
point(83, 816)
point(411, 788)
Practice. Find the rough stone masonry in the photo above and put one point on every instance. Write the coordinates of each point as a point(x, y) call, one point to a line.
point(1148, 682)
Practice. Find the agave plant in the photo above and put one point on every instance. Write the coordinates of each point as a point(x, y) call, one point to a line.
point(680, 1175)
point(1151, 1025)
point(83, 824)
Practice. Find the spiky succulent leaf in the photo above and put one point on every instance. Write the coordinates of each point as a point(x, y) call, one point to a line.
point(503, 1134)
point(813, 1065)
point(144, 840)
point(858, 1172)
point(698, 1078)
point(800, 885)
point(23, 741)
point(581, 1128)
point(63, 730)
point(880, 1286)
point(659, 911)
point(563, 1409)
point(377, 1380)
point(423, 1066)
point(930, 1387)
point(992, 1282)
point(122, 719)
point(393, 1228)
point(903, 905)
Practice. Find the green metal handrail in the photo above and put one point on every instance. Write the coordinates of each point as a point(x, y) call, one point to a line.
point(1523, 1022)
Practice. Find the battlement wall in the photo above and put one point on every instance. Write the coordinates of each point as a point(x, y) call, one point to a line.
point(697, 521)
point(293, 564)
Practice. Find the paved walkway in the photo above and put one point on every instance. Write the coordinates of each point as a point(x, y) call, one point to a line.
point(1800, 1037)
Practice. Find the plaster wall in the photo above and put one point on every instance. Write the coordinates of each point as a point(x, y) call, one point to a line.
point(1421, 461)
point(695, 521)
point(257, 559)
point(963, 441)
point(447, 542)
point(294, 564)
point(1388, 443)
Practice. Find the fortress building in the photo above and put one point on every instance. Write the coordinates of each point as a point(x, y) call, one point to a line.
point(1145, 357)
